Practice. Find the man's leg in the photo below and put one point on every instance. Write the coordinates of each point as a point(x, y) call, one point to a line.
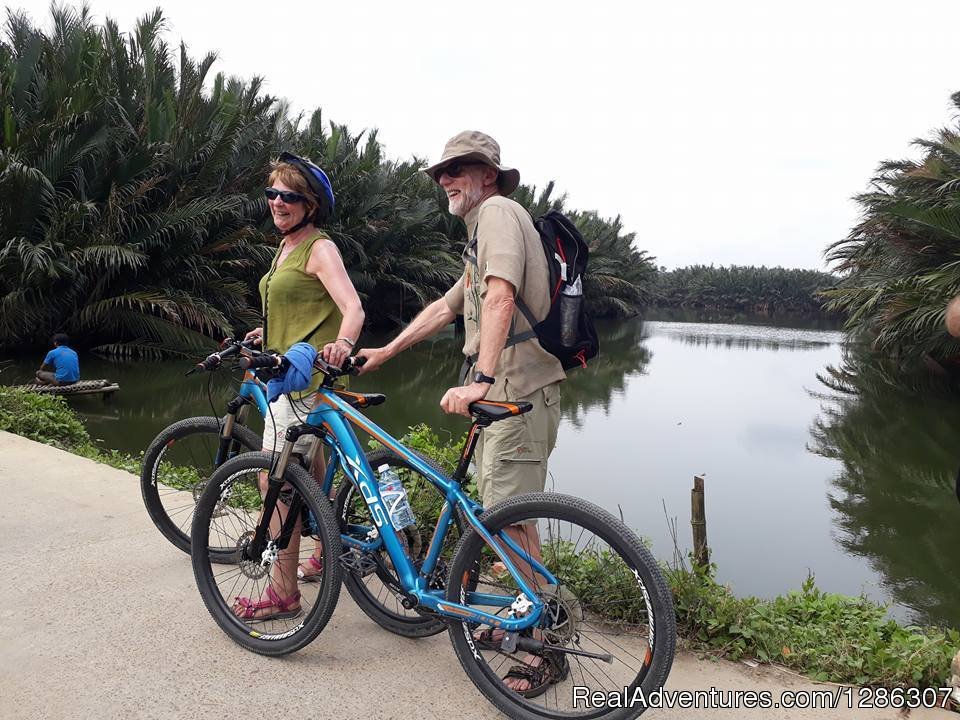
point(513, 461)
point(45, 377)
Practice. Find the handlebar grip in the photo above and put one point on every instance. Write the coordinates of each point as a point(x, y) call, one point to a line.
point(230, 350)
point(210, 362)
point(264, 360)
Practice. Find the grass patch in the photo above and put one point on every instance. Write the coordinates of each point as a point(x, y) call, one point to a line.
point(50, 420)
point(823, 635)
point(44, 418)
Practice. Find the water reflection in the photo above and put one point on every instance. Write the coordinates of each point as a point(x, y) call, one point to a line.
point(747, 337)
point(897, 445)
point(622, 356)
point(773, 320)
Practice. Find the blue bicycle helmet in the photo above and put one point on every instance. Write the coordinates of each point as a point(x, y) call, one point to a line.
point(317, 181)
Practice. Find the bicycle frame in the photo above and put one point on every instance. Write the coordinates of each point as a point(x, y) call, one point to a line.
point(252, 390)
point(333, 419)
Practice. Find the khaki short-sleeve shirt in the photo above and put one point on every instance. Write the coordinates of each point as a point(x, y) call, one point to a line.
point(508, 247)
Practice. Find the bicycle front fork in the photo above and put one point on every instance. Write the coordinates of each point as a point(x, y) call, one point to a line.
point(275, 494)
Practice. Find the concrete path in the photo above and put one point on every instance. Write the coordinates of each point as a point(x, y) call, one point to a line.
point(100, 618)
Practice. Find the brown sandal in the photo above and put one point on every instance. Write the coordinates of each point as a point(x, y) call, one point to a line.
point(489, 638)
point(552, 668)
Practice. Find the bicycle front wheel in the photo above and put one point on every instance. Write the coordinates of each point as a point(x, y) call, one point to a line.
point(175, 471)
point(257, 600)
point(608, 624)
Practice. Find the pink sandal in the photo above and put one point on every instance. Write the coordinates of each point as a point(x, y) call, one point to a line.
point(314, 576)
point(285, 609)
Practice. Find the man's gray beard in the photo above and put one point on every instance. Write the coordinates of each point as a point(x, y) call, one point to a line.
point(465, 202)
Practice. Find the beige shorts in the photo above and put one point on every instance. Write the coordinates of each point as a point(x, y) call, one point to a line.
point(511, 456)
point(282, 415)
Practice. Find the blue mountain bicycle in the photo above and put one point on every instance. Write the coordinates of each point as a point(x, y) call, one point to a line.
point(575, 608)
point(181, 458)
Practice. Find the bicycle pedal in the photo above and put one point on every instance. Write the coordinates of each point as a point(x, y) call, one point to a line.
point(357, 563)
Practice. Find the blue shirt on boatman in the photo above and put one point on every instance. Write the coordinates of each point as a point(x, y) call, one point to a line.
point(63, 359)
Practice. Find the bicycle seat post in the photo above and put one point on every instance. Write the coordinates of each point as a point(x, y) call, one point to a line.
point(469, 446)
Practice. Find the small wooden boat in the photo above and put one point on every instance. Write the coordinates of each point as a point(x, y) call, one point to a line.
point(81, 387)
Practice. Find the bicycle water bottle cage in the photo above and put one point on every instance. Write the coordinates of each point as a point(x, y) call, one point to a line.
point(488, 411)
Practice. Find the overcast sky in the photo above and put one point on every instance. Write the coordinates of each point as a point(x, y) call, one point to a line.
point(722, 132)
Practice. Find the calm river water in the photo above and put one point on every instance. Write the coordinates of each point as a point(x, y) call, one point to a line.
point(852, 483)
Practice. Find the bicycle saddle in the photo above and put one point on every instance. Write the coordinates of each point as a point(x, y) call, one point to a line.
point(493, 411)
point(361, 400)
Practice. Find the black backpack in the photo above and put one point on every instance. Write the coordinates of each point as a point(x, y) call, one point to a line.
point(567, 331)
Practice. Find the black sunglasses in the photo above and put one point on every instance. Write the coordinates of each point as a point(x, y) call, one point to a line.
point(288, 196)
point(455, 169)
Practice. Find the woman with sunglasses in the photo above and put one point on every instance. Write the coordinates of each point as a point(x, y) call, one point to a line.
point(308, 297)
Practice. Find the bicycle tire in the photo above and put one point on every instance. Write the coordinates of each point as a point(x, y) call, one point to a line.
point(171, 508)
point(318, 599)
point(372, 596)
point(583, 614)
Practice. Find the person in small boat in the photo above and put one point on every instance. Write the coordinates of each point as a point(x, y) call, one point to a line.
point(60, 366)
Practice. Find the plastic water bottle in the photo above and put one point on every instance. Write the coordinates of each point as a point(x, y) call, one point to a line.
point(570, 298)
point(394, 497)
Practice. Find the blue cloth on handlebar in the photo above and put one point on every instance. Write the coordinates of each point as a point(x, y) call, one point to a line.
point(301, 357)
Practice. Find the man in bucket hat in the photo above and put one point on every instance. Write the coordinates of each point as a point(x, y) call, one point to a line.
point(503, 259)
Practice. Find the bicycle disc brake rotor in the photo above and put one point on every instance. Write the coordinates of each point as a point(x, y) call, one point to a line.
point(253, 569)
point(563, 614)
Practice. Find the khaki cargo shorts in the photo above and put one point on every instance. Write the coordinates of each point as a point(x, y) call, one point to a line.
point(511, 456)
point(282, 415)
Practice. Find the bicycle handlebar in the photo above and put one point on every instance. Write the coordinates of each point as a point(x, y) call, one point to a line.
point(230, 347)
point(263, 360)
point(350, 366)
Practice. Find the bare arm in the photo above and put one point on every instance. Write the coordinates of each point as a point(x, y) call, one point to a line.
point(325, 262)
point(496, 314)
point(433, 318)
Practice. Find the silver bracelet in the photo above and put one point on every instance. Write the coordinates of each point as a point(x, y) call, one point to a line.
point(347, 340)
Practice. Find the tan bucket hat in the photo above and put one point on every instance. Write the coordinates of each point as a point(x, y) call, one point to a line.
point(474, 145)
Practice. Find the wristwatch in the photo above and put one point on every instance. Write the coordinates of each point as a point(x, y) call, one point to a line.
point(481, 378)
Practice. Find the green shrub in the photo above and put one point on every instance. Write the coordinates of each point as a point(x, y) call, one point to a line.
point(44, 418)
point(824, 635)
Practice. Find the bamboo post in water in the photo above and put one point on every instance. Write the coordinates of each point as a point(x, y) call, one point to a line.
point(698, 521)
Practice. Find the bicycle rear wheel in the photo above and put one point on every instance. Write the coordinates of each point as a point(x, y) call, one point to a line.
point(609, 620)
point(228, 513)
point(175, 470)
point(374, 597)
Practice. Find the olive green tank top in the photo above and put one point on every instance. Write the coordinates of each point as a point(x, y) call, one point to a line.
point(296, 305)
